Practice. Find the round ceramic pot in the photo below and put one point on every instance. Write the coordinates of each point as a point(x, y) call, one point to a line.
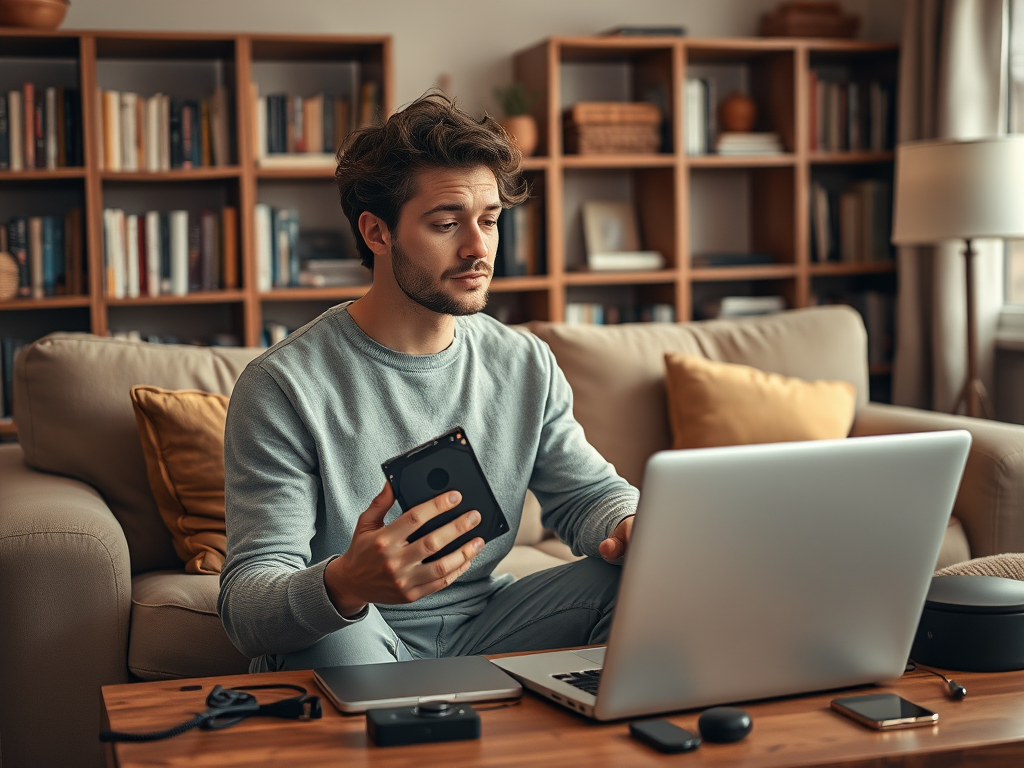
point(37, 14)
point(523, 130)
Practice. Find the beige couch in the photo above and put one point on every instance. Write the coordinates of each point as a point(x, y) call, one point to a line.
point(92, 592)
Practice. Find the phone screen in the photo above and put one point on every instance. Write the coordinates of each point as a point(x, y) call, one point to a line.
point(884, 710)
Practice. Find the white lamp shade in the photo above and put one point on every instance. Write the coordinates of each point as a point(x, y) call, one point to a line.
point(959, 190)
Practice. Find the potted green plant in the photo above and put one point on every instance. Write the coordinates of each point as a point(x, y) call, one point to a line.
point(516, 100)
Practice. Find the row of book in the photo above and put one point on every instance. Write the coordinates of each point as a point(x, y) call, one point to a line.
point(594, 313)
point(851, 224)
point(40, 128)
point(850, 115)
point(49, 253)
point(160, 133)
point(310, 127)
point(169, 253)
point(9, 349)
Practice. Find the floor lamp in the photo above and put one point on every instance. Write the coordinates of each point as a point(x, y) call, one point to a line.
point(961, 190)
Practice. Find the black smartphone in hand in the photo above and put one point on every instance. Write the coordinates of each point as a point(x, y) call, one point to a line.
point(664, 736)
point(446, 463)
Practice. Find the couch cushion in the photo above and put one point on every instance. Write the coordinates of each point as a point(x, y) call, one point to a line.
point(176, 631)
point(624, 365)
point(182, 436)
point(75, 418)
point(713, 404)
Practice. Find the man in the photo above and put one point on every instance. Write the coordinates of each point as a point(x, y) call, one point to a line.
point(314, 576)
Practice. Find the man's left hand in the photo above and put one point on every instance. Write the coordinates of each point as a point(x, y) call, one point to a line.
point(613, 549)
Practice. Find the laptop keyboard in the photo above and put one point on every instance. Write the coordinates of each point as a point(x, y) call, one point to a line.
point(586, 681)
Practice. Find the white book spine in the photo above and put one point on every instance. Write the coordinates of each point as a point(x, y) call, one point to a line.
point(131, 253)
point(16, 130)
point(165, 132)
point(114, 221)
point(179, 253)
point(129, 135)
point(264, 234)
point(51, 128)
point(153, 253)
point(153, 133)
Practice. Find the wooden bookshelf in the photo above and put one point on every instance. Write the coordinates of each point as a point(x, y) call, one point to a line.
point(147, 63)
point(685, 204)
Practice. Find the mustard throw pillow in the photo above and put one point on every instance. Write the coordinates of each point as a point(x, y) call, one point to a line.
point(182, 435)
point(713, 404)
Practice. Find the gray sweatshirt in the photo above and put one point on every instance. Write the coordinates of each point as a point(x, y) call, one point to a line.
point(310, 422)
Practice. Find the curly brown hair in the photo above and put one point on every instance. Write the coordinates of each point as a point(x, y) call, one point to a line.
point(377, 166)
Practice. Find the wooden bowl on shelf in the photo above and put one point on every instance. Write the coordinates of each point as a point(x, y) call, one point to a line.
point(36, 14)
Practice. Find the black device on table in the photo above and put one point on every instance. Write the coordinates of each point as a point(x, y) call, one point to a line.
point(884, 711)
point(446, 463)
point(664, 736)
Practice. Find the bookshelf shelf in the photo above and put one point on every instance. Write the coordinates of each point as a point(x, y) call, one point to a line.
point(336, 293)
point(880, 268)
point(511, 284)
point(195, 297)
point(193, 174)
point(52, 302)
point(761, 272)
point(621, 278)
point(55, 174)
point(742, 161)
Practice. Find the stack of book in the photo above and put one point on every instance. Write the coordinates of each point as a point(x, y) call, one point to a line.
point(169, 253)
point(850, 115)
point(40, 128)
point(332, 273)
point(49, 253)
point(743, 306)
point(852, 224)
point(734, 143)
point(160, 133)
point(296, 130)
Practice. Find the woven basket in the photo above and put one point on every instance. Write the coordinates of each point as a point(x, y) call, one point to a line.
point(8, 276)
point(611, 138)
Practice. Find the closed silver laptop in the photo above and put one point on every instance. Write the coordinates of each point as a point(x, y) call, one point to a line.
point(766, 570)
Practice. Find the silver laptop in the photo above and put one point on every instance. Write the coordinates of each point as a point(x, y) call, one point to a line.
point(767, 570)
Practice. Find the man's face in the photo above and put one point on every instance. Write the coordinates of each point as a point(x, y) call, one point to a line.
point(442, 252)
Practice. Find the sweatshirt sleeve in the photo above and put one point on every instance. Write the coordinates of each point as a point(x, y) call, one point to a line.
point(581, 495)
point(272, 598)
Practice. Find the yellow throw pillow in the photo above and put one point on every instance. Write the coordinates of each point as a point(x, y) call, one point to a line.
point(182, 435)
point(713, 404)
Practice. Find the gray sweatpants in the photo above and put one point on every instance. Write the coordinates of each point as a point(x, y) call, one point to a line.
point(559, 607)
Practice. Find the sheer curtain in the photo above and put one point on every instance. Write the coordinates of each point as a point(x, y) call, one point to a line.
point(953, 84)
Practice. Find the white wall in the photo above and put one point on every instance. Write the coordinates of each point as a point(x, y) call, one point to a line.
point(469, 43)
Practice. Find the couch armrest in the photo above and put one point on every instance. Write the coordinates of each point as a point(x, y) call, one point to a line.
point(64, 608)
point(990, 504)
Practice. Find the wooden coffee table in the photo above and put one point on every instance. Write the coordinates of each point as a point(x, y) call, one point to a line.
point(986, 728)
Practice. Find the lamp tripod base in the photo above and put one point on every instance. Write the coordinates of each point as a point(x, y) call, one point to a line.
point(976, 400)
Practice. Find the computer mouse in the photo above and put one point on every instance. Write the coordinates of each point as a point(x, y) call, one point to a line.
point(724, 724)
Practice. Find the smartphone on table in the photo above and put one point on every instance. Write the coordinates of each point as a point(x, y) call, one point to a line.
point(446, 463)
point(884, 711)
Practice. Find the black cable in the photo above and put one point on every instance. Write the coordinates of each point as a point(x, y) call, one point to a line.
point(956, 690)
point(154, 735)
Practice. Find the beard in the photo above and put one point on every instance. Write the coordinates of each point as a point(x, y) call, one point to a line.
point(420, 286)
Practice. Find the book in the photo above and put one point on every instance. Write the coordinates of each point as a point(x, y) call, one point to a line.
point(16, 129)
point(229, 247)
point(50, 128)
point(28, 122)
point(52, 254)
point(131, 256)
point(210, 251)
point(730, 259)
point(17, 243)
point(112, 155)
point(614, 112)
point(74, 255)
point(625, 261)
point(39, 129)
point(179, 245)
point(297, 160)
point(5, 131)
point(153, 240)
point(264, 248)
point(35, 255)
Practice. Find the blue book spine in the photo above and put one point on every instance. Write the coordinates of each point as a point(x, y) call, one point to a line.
point(50, 255)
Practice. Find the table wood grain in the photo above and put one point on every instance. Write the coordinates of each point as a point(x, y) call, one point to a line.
point(985, 729)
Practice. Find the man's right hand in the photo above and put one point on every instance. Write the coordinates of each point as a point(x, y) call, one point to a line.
point(381, 566)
